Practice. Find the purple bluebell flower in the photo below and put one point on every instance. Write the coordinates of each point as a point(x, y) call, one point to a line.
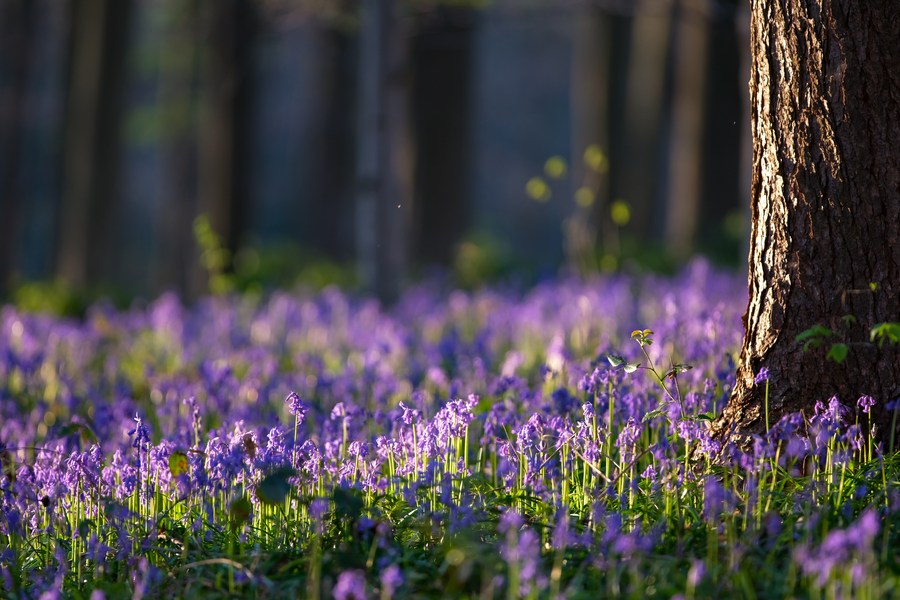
point(841, 547)
point(762, 376)
point(296, 406)
point(649, 473)
point(351, 585)
point(410, 416)
point(142, 439)
point(866, 403)
point(391, 580)
point(696, 573)
point(629, 435)
point(588, 409)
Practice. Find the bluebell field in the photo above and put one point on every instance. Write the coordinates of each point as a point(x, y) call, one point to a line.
point(544, 443)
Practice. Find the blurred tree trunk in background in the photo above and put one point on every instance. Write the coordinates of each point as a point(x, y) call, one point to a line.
point(227, 28)
point(334, 189)
point(590, 83)
point(385, 158)
point(825, 242)
point(641, 164)
point(682, 183)
point(442, 80)
point(16, 27)
point(92, 145)
point(178, 59)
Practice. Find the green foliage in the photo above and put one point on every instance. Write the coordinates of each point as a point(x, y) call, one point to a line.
point(214, 257)
point(480, 259)
point(818, 335)
point(257, 269)
point(53, 297)
point(885, 332)
point(838, 352)
point(814, 337)
point(239, 512)
point(275, 486)
point(178, 463)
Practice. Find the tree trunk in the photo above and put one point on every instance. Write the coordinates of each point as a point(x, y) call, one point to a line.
point(645, 91)
point(92, 145)
point(177, 64)
point(16, 28)
point(683, 181)
point(442, 84)
point(825, 242)
point(384, 156)
point(590, 106)
point(227, 29)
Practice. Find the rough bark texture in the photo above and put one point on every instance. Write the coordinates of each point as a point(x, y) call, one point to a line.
point(825, 98)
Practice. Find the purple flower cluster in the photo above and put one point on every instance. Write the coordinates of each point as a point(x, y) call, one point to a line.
point(446, 410)
point(842, 549)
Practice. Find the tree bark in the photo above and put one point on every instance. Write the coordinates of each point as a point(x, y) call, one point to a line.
point(645, 91)
point(385, 157)
point(92, 141)
point(590, 107)
point(442, 53)
point(227, 29)
point(16, 29)
point(178, 57)
point(683, 180)
point(825, 241)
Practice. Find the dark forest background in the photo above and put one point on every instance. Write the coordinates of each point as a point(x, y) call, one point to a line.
point(368, 141)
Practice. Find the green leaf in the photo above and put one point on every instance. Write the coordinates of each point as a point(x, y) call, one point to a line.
point(615, 360)
point(631, 367)
point(813, 337)
point(239, 512)
point(849, 320)
point(84, 432)
point(657, 412)
point(885, 332)
point(838, 352)
point(84, 528)
point(178, 463)
point(707, 416)
point(347, 502)
point(275, 486)
point(642, 336)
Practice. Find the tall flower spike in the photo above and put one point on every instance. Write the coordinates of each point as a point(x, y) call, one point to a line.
point(296, 406)
point(143, 434)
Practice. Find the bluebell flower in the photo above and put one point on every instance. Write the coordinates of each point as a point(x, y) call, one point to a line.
point(839, 548)
point(866, 403)
point(143, 434)
point(391, 580)
point(296, 406)
point(351, 585)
